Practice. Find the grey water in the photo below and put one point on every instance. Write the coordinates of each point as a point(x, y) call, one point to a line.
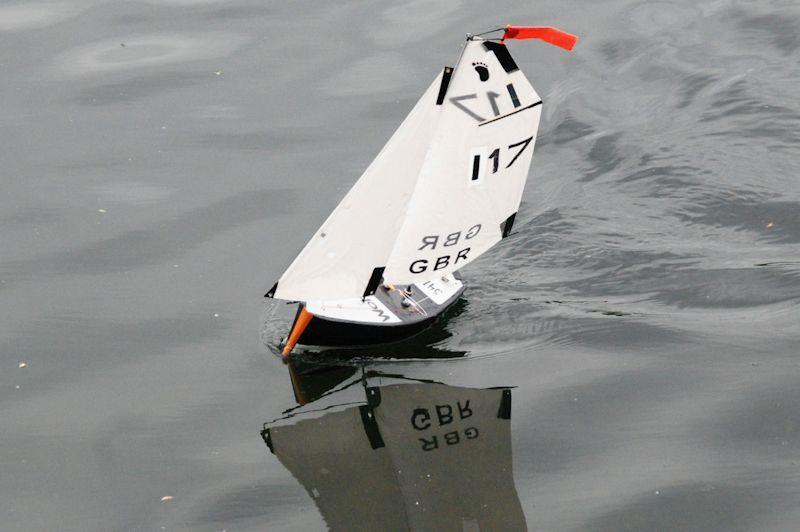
point(162, 161)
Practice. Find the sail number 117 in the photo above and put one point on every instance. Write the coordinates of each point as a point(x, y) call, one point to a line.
point(494, 157)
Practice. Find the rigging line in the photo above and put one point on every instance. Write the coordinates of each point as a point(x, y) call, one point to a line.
point(485, 32)
point(423, 299)
point(417, 306)
point(458, 62)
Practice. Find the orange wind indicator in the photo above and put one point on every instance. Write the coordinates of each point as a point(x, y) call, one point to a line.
point(300, 325)
point(554, 36)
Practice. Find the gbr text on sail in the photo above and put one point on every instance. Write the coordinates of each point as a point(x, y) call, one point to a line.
point(443, 241)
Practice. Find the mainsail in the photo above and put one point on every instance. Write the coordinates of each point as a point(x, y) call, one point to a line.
point(471, 183)
point(444, 189)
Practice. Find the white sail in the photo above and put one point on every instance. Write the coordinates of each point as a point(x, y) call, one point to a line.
point(358, 236)
point(443, 190)
point(471, 182)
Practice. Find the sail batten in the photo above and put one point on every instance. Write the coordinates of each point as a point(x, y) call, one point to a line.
point(531, 106)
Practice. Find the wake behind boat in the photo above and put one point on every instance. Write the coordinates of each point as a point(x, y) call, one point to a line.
point(443, 190)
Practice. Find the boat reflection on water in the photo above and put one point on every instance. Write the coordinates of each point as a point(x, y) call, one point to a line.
point(378, 451)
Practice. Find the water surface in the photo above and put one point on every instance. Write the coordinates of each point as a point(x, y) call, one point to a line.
point(163, 161)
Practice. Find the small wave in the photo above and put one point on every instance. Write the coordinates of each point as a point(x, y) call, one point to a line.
point(139, 51)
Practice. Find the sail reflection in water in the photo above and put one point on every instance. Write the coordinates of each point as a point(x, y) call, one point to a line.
point(407, 455)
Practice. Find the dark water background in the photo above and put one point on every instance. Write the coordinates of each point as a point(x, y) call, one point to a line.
point(648, 309)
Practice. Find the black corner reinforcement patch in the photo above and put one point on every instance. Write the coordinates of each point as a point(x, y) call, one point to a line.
point(505, 227)
point(374, 281)
point(268, 440)
point(501, 53)
point(504, 412)
point(271, 292)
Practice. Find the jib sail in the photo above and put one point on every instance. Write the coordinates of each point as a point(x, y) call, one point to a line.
point(340, 259)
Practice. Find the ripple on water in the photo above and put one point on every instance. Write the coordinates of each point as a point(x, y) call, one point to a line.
point(185, 2)
point(760, 415)
point(768, 219)
point(129, 53)
point(691, 506)
point(777, 29)
point(386, 72)
point(412, 21)
point(157, 242)
point(651, 17)
point(569, 129)
point(16, 17)
point(135, 88)
point(131, 192)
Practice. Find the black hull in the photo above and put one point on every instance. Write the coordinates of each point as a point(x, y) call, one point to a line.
point(331, 333)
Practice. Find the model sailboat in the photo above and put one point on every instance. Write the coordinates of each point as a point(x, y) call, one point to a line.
point(443, 190)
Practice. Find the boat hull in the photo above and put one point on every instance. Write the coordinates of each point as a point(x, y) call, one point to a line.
point(390, 315)
point(322, 332)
